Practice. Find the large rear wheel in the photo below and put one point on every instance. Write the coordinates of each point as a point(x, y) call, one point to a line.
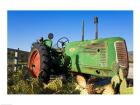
point(38, 62)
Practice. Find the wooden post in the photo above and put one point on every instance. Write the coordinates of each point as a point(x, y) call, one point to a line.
point(16, 60)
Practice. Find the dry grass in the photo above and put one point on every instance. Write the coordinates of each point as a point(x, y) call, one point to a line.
point(21, 82)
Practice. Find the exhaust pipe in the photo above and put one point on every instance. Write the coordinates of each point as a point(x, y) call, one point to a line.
point(83, 30)
point(96, 27)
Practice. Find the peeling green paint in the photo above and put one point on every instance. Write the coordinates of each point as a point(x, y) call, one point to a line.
point(91, 56)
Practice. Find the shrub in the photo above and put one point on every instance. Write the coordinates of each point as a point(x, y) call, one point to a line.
point(22, 82)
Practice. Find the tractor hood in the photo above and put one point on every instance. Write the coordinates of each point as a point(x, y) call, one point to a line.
point(91, 55)
point(75, 46)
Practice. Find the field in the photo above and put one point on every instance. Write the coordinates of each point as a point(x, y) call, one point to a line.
point(22, 82)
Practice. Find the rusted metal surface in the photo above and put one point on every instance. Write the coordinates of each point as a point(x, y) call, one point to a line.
point(104, 72)
point(95, 45)
point(122, 55)
point(95, 49)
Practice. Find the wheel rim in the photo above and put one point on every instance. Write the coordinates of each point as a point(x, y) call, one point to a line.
point(34, 63)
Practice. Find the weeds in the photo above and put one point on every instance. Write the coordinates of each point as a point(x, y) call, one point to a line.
point(22, 82)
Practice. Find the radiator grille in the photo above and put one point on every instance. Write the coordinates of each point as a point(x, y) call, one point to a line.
point(122, 56)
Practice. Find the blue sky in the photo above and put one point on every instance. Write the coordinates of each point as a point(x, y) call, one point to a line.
point(25, 27)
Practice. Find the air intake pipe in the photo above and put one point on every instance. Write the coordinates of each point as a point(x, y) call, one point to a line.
point(83, 30)
point(96, 27)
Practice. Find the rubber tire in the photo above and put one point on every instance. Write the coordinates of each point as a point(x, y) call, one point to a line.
point(44, 74)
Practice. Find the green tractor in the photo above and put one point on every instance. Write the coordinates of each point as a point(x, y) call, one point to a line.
point(103, 58)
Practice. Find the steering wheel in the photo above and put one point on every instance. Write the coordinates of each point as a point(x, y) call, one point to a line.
point(62, 41)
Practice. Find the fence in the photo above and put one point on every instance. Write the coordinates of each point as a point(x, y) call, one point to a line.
point(17, 58)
